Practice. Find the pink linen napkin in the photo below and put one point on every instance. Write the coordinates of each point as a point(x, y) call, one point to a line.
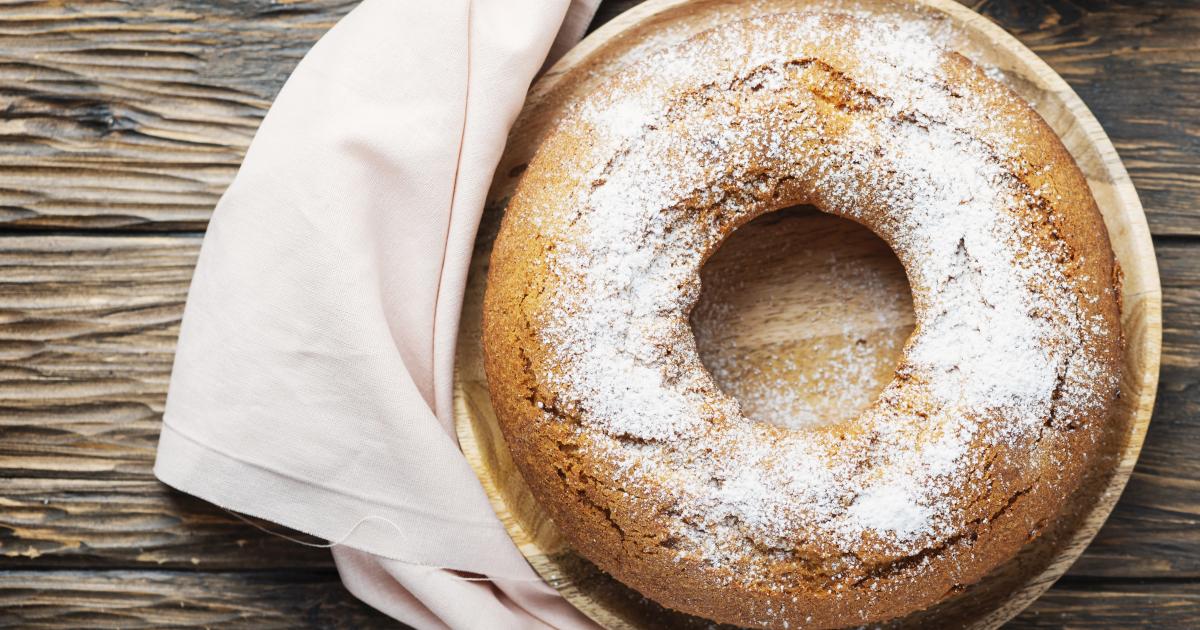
point(312, 381)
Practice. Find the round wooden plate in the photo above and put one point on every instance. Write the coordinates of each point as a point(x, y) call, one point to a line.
point(805, 313)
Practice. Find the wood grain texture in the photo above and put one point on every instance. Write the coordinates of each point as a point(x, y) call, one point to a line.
point(1083, 604)
point(136, 115)
point(156, 599)
point(126, 117)
point(104, 524)
point(87, 342)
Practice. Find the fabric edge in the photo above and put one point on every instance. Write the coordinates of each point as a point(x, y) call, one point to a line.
point(345, 520)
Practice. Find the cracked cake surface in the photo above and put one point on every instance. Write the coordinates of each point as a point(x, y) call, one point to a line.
point(656, 475)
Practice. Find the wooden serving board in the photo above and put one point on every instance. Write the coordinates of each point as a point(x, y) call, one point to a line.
point(806, 313)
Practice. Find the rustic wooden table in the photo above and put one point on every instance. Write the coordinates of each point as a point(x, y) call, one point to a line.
point(123, 122)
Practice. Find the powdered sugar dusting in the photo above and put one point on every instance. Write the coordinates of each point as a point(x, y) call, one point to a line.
point(704, 136)
point(891, 507)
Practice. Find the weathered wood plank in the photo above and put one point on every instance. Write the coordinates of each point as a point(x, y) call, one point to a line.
point(101, 523)
point(86, 342)
point(156, 599)
point(1074, 604)
point(136, 116)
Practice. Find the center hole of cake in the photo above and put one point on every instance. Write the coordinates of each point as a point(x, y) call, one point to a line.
point(803, 317)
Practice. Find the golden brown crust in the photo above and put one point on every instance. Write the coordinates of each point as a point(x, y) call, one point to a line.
point(1011, 501)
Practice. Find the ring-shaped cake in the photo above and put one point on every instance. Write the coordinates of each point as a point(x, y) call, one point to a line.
point(651, 471)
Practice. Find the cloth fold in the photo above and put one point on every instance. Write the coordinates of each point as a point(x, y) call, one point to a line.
point(313, 375)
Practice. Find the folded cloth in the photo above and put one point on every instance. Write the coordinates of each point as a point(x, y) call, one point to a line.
point(312, 380)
